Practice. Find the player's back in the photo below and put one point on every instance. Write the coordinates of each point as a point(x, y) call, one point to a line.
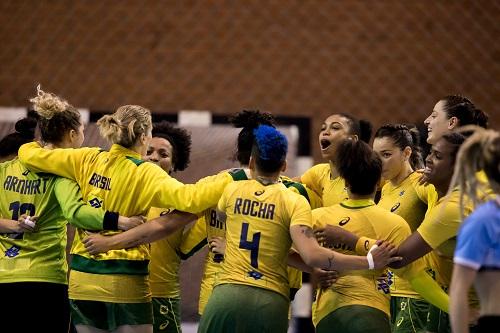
point(37, 256)
point(364, 287)
point(257, 233)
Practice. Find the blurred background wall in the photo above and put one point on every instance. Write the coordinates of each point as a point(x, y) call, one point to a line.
point(381, 60)
point(385, 61)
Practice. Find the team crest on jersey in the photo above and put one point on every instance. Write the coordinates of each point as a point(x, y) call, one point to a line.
point(396, 206)
point(344, 221)
point(390, 278)
point(95, 202)
point(256, 275)
point(383, 284)
point(13, 251)
point(257, 193)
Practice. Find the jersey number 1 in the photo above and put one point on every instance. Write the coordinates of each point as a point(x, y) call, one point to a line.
point(18, 209)
point(252, 245)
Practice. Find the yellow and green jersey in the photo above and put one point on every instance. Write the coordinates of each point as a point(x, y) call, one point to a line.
point(319, 179)
point(361, 287)
point(439, 229)
point(408, 200)
point(40, 256)
point(166, 255)
point(120, 181)
point(214, 227)
point(258, 220)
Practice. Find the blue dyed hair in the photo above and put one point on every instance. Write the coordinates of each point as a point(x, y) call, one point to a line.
point(270, 148)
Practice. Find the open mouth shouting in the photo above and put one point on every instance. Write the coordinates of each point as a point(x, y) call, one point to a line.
point(325, 144)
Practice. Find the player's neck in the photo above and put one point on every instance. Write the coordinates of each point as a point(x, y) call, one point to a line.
point(405, 172)
point(266, 180)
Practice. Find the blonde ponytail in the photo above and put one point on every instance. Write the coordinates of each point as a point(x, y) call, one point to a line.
point(126, 125)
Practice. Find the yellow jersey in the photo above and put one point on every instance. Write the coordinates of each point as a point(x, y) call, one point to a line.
point(166, 255)
point(214, 227)
point(118, 180)
point(408, 200)
point(258, 220)
point(319, 179)
point(439, 229)
point(361, 287)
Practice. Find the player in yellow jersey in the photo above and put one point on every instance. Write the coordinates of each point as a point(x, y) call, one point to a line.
point(262, 218)
point(398, 148)
point(248, 121)
point(169, 148)
point(324, 178)
point(33, 267)
point(111, 290)
point(477, 255)
point(439, 229)
point(359, 300)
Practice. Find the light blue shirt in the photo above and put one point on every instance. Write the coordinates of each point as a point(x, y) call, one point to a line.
point(478, 243)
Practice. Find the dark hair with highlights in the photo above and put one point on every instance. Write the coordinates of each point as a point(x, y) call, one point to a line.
point(270, 149)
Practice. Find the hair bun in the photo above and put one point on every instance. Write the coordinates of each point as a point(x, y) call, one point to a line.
point(26, 127)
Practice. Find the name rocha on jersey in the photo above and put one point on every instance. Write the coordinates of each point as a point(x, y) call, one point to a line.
point(25, 186)
point(254, 208)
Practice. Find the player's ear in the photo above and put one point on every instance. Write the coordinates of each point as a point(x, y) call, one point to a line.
point(283, 167)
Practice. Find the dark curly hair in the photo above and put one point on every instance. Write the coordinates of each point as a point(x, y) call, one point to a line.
point(179, 138)
point(248, 120)
point(25, 132)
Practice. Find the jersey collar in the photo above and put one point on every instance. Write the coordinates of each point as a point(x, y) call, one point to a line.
point(117, 149)
point(357, 203)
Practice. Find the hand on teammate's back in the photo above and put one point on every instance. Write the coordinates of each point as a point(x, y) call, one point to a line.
point(27, 223)
point(96, 243)
point(217, 245)
point(332, 234)
point(323, 278)
point(384, 254)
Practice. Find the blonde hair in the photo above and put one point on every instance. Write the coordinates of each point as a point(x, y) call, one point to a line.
point(480, 152)
point(56, 116)
point(125, 125)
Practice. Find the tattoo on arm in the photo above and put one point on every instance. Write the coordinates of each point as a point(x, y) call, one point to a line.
point(330, 261)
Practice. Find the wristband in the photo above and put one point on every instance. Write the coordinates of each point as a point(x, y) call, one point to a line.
point(369, 257)
point(28, 222)
point(110, 221)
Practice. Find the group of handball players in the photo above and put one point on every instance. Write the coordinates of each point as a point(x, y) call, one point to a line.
point(92, 239)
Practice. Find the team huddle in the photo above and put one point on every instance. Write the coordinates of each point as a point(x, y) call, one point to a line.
point(393, 242)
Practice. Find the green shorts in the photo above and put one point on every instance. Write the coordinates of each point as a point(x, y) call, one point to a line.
point(166, 315)
point(355, 319)
point(109, 316)
point(241, 309)
point(408, 315)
